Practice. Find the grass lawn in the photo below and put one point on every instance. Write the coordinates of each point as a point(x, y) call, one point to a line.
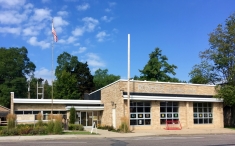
point(79, 132)
point(233, 128)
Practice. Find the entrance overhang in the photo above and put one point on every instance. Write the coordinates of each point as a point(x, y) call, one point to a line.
point(164, 98)
point(86, 108)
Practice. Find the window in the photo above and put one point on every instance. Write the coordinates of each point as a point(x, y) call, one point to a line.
point(202, 113)
point(140, 113)
point(169, 111)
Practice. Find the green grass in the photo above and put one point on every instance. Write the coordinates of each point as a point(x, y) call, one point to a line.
point(233, 128)
point(79, 132)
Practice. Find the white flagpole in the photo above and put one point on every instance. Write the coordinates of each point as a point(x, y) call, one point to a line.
point(128, 82)
point(52, 70)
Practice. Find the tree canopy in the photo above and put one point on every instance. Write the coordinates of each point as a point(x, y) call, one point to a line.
point(15, 67)
point(73, 78)
point(218, 61)
point(158, 68)
point(102, 78)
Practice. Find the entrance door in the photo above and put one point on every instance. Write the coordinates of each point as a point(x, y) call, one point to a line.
point(114, 117)
point(89, 118)
point(83, 118)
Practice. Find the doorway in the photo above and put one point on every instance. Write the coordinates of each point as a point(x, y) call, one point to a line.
point(86, 118)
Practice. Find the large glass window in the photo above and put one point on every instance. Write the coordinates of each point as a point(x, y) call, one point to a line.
point(169, 112)
point(140, 113)
point(202, 113)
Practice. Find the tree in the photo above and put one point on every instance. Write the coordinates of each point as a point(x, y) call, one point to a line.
point(157, 68)
point(66, 86)
point(102, 78)
point(72, 115)
point(203, 73)
point(220, 64)
point(15, 67)
point(47, 90)
point(73, 78)
point(84, 79)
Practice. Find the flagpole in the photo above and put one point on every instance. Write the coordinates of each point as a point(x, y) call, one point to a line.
point(128, 82)
point(52, 45)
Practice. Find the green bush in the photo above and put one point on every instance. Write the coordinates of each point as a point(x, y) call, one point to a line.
point(24, 125)
point(72, 115)
point(11, 118)
point(39, 131)
point(25, 130)
point(9, 132)
point(58, 125)
point(50, 126)
point(76, 127)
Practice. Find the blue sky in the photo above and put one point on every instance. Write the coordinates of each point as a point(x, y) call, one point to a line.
point(96, 31)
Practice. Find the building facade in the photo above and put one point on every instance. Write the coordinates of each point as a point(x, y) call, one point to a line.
point(153, 105)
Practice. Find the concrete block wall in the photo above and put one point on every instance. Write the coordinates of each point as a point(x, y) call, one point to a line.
point(114, 93)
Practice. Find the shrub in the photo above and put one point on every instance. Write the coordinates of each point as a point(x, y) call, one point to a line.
point(124, 127)
point(76, 127)
point(50, 126)
point(11, 118)
point(58, 125)
point(39, 130)
point(25, 130)
point(72, 115)
point(9, 132)
point(39, 118)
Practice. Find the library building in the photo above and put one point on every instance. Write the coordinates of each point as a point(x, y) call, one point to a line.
point(153, 105)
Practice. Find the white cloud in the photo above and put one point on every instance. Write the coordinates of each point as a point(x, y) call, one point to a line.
point(12, 30)
point(12, 17)
point(101, 36)
point(62, 13)
point(80, 50)
point(70, 40)
point(41, 14)
point(33, 41)
point(94, 61)
point(77, 44)
point(44, 74)
point(106, 19)
point(90, 23)
point(115, 30)
point(78, 32)
point(46, 1)
point(11, 3)
point(83, 7)
point(107, 10)
point(58, 21)
point(111, 4)
point(30, 31)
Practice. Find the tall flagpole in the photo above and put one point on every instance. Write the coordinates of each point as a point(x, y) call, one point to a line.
point(128, 82)
point(52, 45)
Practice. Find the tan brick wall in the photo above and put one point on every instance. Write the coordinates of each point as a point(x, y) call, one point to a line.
point(114, 93)
point(109, 95)
point(167, 88)
point(34, 107)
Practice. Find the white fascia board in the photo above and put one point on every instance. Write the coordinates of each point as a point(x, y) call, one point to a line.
point(86, 108)
point(164, 98)
point(56, 101)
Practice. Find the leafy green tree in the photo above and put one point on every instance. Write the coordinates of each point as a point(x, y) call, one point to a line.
point(157, 68)
point(220, 60)
point(47, 90)
point(66, 86)
point(84, 78)
point(72, 115)
point(15, 67)
point(73, 78)
point(102, 78)
point(203, 74)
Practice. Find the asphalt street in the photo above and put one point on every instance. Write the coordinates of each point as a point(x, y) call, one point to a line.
point(183, 140)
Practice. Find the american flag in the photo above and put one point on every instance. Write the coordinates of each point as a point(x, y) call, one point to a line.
point(54, 33)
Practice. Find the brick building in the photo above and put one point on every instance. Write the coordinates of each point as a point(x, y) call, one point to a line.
point(152, 105)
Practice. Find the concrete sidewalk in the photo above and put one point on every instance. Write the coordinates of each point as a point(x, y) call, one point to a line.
point(108, 134)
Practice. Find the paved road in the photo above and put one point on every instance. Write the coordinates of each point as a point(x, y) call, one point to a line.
point(191, 140)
